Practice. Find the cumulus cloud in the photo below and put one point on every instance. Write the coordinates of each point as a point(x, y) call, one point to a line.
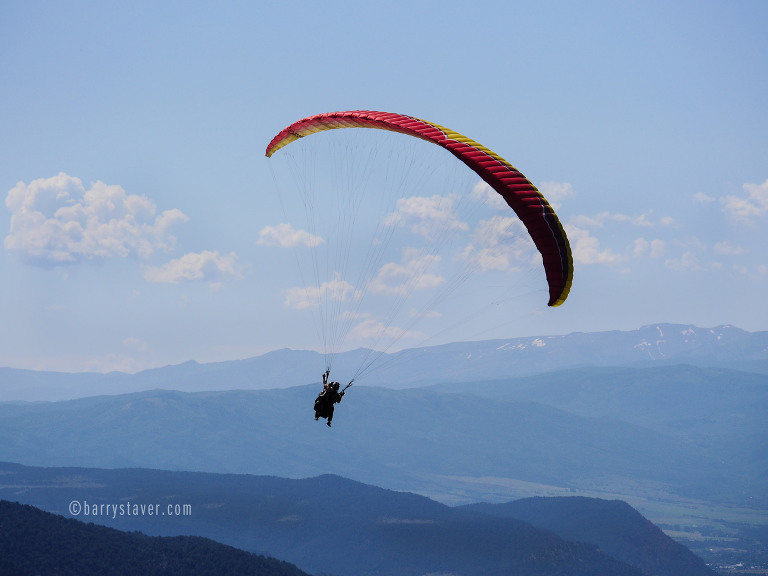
point(483, 193)
point(286, 236)
point(752, 204)
point(136, 344)
point(310, 297)
point(555, 192)
point(414, 313)
point(59, 220)
point(688, 261)
point(694, 255)
point(601, 219)
point(204, 266)
point(412, 273)
point(654, 248)
point(585, 248)
point(702, 198)
point(500, 243)
point(427, 217)
point(371, 329)
point(727, 247)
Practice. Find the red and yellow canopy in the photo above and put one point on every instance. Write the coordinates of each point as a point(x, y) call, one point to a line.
point(519, 193)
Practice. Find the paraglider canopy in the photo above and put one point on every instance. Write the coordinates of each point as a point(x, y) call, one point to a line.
point(520, 194)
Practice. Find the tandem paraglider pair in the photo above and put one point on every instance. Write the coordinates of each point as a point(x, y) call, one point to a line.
point(328, 398)
point(519, 193)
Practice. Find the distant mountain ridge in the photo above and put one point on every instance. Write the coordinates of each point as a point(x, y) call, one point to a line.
point(333, 525)
point(658, 344)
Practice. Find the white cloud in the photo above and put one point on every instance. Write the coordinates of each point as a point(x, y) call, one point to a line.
point(414, 313)
point(204, 266)
point(740, 269)
point(654, 248)
point(585, 248)
point(375, 330)
point(500, 243)
point(411, 274)
point(688, 261)
point(427, 217)
point(310, 297)
point(728, 247)
point(754, 203)
point(600, 220)
point(555, 192)
point(286, 236)
point(353, 315)
point(657, 248)
point(695, 255)
point(758, 272)
point(58, 221)
point(641, 220)
point(136, 344)
point(482, 192)
point(702, 198)
point(587, 221)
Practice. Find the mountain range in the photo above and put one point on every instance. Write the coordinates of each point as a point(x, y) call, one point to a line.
point(674, 425)
point(671, 432)
point(332, 525)
point(653, 345)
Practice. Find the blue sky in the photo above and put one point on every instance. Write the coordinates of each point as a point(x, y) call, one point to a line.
point(136, 189)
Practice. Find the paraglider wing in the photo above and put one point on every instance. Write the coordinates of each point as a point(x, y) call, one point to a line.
point(520, 194)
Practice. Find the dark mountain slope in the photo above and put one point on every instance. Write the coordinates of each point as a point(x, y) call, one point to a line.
point(33, 542)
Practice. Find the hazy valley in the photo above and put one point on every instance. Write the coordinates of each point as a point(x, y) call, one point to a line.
point(675, 427)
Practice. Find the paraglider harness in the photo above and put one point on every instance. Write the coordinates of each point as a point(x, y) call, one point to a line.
point(325, 401)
